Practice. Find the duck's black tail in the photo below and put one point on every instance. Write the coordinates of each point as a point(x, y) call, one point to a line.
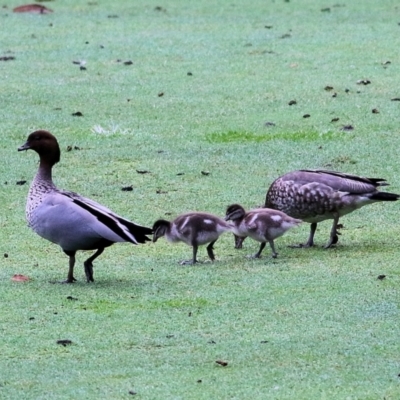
point(384, 196)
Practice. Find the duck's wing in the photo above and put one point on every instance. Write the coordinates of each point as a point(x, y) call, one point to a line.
point(336, 180)
point(120, 226)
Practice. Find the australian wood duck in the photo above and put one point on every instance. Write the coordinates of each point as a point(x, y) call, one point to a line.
point(68, 219)
point(194, 229)
point(316, 195)
point(261, 224)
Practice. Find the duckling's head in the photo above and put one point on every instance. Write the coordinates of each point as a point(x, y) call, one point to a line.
point(234, 211)
point(45, 144)
point(160, 228)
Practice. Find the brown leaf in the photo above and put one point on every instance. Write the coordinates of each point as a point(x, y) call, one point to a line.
point(222, 363)
point(19, 278)
point(32, 8)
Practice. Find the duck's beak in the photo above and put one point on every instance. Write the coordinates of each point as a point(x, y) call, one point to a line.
point(24, 147)
point(226, 218)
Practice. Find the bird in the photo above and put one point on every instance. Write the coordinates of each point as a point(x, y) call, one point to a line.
point(317, 195)
point(68, 219)
point(194, 229)
point(261, 224)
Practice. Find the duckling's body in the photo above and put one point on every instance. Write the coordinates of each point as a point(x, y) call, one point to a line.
point(194, 229)
point(68, 219)
point(317, 195)
point(261, 224)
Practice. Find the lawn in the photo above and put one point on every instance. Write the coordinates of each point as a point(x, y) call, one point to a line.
point(176, 89)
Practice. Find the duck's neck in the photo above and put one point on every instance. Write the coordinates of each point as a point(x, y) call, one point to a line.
point(44, 176)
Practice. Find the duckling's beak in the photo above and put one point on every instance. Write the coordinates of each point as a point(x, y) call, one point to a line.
point(25, 146)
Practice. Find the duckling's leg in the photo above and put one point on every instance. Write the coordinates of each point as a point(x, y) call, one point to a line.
point(89, 266)
point(239, 241)
point(334, 232)
point(210, 249)
point(272, 245)
point(70, 276)
point(258, 254)
point(194, 259)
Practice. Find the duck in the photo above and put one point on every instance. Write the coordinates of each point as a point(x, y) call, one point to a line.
point(318, 195)
point(68, 219)
point(261, 224)
point(194, 229)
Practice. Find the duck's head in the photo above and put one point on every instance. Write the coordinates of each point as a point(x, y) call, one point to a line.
point(45, 144)
point(234, 211)
point(160, 228)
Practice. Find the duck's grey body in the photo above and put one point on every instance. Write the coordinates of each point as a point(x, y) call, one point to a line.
point(194, 229)
point(317, 195)
point(261, 224)
point(68, 219)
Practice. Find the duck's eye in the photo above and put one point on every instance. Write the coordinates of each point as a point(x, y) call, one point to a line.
point(37, 137)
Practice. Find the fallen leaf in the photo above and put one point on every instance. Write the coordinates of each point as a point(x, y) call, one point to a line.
point(127, 188)
point(19, 278)
point(77, 114)
point(205, 173)
point(327, 88)
point(20, 183)
point(64, 342)
point(306, 116)
point(336, 119)
point(222, 363)
point(32, 8)
point(363, 82)
point(292, 102)
point(7, 58)
point(381, 277)
point(375, 111)
point(142, 171)
point(347, 128)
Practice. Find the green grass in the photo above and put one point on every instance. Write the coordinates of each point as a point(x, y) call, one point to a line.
point(312, 324)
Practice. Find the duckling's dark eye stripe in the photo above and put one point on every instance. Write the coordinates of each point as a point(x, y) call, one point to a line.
point(109, 222)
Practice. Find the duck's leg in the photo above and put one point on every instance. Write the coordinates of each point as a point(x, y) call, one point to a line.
point(70, 276)
point(89, 266)
point(258, 254)
point(210, 249)
point(334, 232)
point(239, 241)
point(310, 241)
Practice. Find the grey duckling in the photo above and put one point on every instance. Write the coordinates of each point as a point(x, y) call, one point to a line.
point(194, 229)
point(317, 195)
point(261, 224)
point(68, 219)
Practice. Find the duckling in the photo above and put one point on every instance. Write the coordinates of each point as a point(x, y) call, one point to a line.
point(194, 229)
point(317, 195)
point(261, 224)
point(68, 219)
